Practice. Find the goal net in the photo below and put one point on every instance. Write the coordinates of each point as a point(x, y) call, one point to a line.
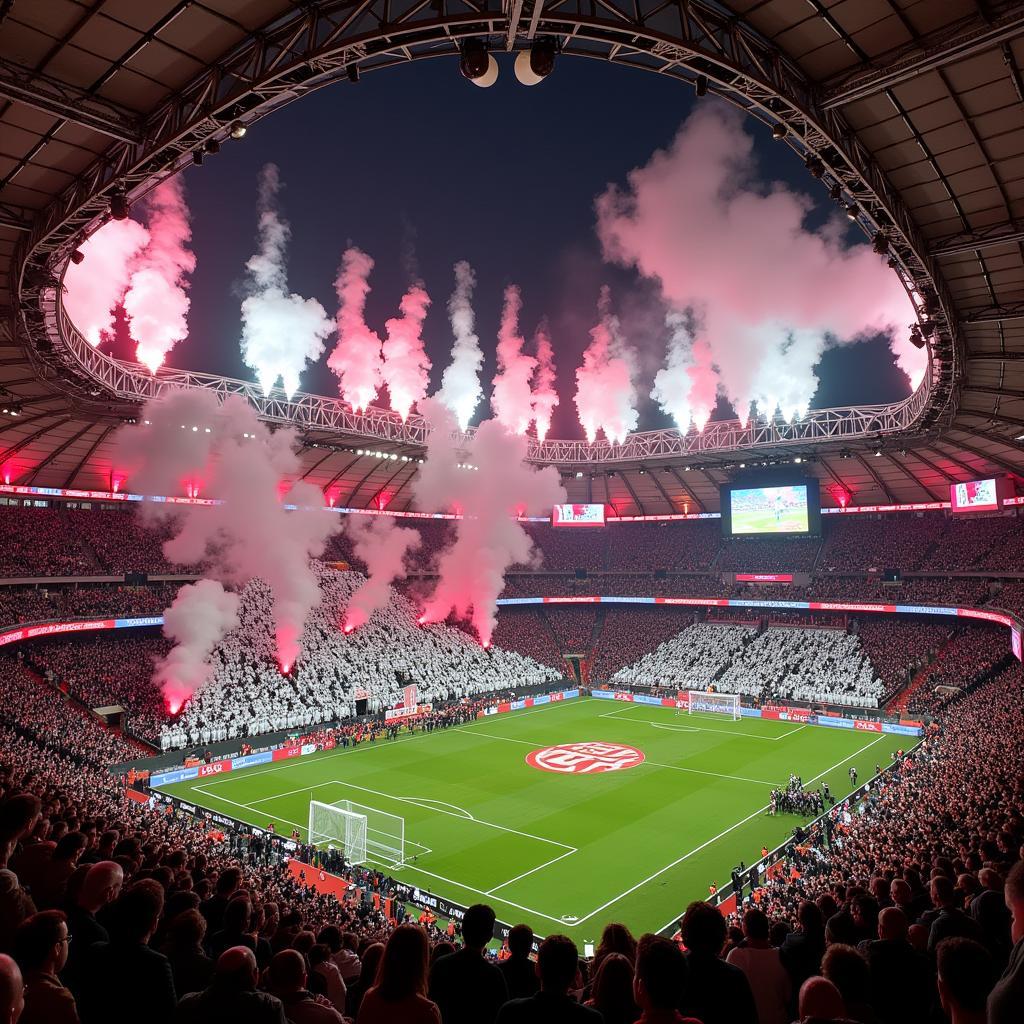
point(363, 834)
point(718, 703)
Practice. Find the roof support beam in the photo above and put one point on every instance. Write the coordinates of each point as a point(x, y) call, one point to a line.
point(629, 487)
point(874, 476)
point(104, 434)
point(51, 96)
point(927, 54)
point(687, 491)
point(934, 467)
point(661, 490)
point(993, 314)
point(29, 438)
point(971, 241)
point(57, 452)
point(987, 456)
point(992, 417)
point(917, 483)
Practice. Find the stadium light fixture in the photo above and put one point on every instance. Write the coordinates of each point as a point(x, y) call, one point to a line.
point(700, 85)
point(779, 131)
point(118, 206)
point(197, 157)
point(835, 193)
point(237, 130)
point(477, 64)
point(352, 71)
point(77, 256)
point(532, 66)
point(852, 211)
point(212, 147)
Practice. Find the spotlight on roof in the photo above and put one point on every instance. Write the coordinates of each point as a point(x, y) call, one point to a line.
point(212, 147)
point(852, 211)
point(835, 193)
point(779, 131)
point(118, 205)
point(197, 157)
point(237, 130)
point(532, 66)
point(77, 256)
point(880, 243)
point(916, 337)
point(700, 86)
point(477, 64)
point(352, 71)
point(815, 166)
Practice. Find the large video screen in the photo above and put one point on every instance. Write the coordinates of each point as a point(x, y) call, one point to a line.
point(769, 509)
point(577, 515)
point(974, 496)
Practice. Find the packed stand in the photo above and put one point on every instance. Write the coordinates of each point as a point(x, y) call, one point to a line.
point(861, 542)
point(573, 627)
point(968, 543)
point(690, 545)
point(40, 542)
point(820, 665)
point(122, 542)
point(247, 694)
point(769, 554)
point(568, 548)
point(627, 634)
point(526, 631)
point(33, 604)
point(899, 649)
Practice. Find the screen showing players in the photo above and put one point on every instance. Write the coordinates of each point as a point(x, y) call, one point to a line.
point(974, 496)
point(769, 510)
point(577, 515)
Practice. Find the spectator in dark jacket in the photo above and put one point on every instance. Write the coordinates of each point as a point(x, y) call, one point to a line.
point(1007, 998)
point(123, 974)
point(232, 996)
point(12, 991)
point(900, 976)
point(100, 887)
point(803, 949)
point(519, 970)
point(557, 967)
point(466, 987)
point(965, 977)
point(716, 992)
point(191, 967)
point(41, 949)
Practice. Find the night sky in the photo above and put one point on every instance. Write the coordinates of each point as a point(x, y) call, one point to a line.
point(420, 168)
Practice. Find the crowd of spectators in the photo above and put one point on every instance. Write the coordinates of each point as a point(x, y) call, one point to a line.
point(690, 546)
point(857, 543)
point(122, 542)
point(573, 627)
point(32, 604)
point(627, 634)
point(40, 542)
point(970, 655)
point(769, 554)
point(900, 648)
point(526, 630)
point(247, 693)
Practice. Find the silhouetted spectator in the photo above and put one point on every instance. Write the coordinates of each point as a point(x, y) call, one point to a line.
point(660, 981)
point(41, 949)
point(398, 993)
point(1007, 998)
point(965, 978)
point(760, 962)
point(557, 968)
point(232, 995)
point(467, 988)
point(191, 967)
point(519, 970)
point(716, 992)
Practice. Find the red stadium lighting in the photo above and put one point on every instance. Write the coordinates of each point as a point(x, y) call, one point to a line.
point(285, 669)
point(421, 621)
point(348, 628)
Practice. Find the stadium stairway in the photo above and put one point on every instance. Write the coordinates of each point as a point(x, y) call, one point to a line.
point(899, 703)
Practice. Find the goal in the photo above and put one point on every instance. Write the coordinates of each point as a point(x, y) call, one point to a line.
point(718, 703)
point(363, 834)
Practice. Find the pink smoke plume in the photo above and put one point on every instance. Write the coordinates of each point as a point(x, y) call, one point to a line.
point(96, 286)
point(511, 399)
point(686, 388)
point(605, 395)
point(460, 384)
point(768, 292)
point(545, 397)
point(356, 358)
point(384, 547)
point(190, 436)
point(201, 615)
point(157, 299)
point(281, 331)
point(488, 539)
point(406, 367)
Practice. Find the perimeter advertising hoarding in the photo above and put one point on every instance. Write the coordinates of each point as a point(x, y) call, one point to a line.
point(577, 515)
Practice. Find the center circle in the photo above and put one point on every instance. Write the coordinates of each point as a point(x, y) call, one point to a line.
point(585, 758)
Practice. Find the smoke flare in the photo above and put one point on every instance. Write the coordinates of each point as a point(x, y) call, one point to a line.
point(190, 437)
point(686, 387)
point(94, 287)
point(511, 399)
point(356, 358)
point(545, 397)
point(605, 395)
point(406, 363)
point(157, 301)
point(384, 547)
point(768, 292)
point(201, 615)
point(281, 331)
point(488, 539)
point(460, 384)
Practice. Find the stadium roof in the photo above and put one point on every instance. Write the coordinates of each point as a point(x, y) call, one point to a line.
point(915, 109)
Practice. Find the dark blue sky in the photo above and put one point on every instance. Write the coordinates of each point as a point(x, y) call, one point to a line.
point(420, 168)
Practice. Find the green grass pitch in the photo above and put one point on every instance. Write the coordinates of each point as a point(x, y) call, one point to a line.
point(566, 852)
point(790, 520)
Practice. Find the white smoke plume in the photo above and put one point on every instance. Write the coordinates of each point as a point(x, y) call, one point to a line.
point(94, 287)
point(768, 292)
point(384, 547)
point(406, 363)
point(460, 385)
point(356, 358)
point(281, 331)
point(511, 400)
point(157, 301)
point(605, 392)
point(545, 397)
point(686, 388)
point(488, 539)
point(225, 452)
point(201, 615)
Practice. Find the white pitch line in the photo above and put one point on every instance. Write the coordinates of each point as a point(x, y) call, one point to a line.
point(717, 775)
point(695, 728)
point(547, 864)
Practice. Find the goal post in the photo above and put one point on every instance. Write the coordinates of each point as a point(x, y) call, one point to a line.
point(716, 703)
point(363, 834)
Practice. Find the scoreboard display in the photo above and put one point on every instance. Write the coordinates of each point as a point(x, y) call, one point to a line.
point(577, 515)
point(979, 495)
